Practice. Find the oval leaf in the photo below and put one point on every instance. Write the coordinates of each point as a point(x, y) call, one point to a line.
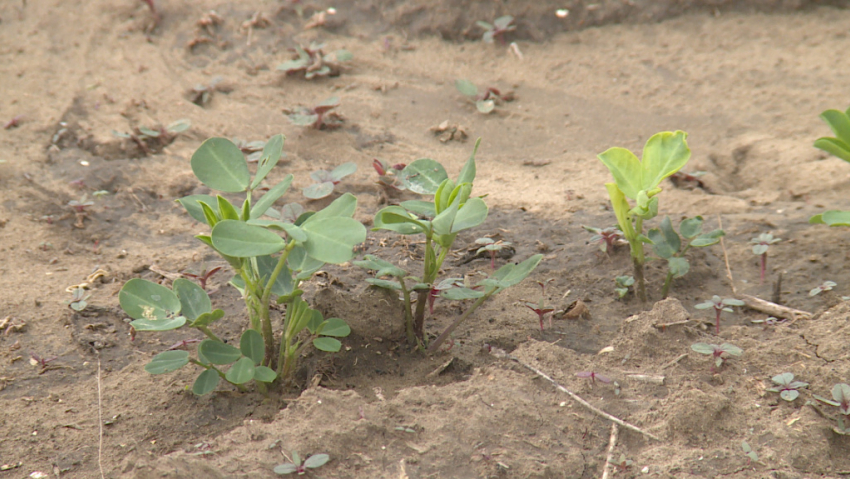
point(332, 240)
point(485, 106)
point(285, 469)
point(264, 374)
point(789, 394)
point(423, 176)
point(336, 327)
point(219, 164)
point(193, 207)
point(272, 152)
point(194, 301)
point(268, 199)
point(329, 345)
point(218, 353)
point(241, 372)
point(318, 190)
point(317, 460)
point(237, 238)
point(343, 170)
point(158, 324)
point(142, 299)
point(665, 153)
point(470, 215)
point(206, 319)
point(206, 382)
point(167, 361)
point(251, 344)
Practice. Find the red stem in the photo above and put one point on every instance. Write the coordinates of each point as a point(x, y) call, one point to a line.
point(763, 266)
point(717, 321)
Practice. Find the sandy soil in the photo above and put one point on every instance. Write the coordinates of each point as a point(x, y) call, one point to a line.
point(746, 85)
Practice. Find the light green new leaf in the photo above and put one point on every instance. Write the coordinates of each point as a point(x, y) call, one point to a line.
point(621, 210)
point(834, 146)
point(472, 214)
point(466, 87)
point(142, 299)
point(267, 200)
point(511, 274)
point(318, 191)
point(832, 218)
point(206, 319)
point(467, 174)
point(626, 169)
point(458, 294)
point(485, 106)
point(665, 153)
point(332, 240)
point(442, 223)
point(423, 176)
point(272, 152)
point(158, 324)
point(329, 345)
point(381, 267)
point(384, 283)
point(226, 208)
point(193, 207)
point(839, 123)
point(293, 231)
point(264, 374)
point(219, 164)
point(241, 372)
point(396, 218)
point(703, 348)
point(237, 238)
point(708, 239)
point(218, 353)
point(206, 382)
point(167, 361)
point(194, 301)
point(251, 344)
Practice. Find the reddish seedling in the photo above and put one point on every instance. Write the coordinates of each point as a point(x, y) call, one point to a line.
point(786, 386)
point(485, 102)
point(491, 246)
point(319, 117)
point(153, 140)
point(438, 288)
point(183, 344)
point(606, 238)
point(201, 94)
point(388, 175)
point(826, 286)
point(497, 29)
point(79, 208)
point(688, 181)
point(541, 310)
point(327, 180)
point(841, 400)
point(719, 305)
point(311, 61)
point(717, 352)
point(748, 451)
point(203, 275)
point(36, 360)
point(312, 462)
point(760, 245)
point(13, 123)
point(593, 377)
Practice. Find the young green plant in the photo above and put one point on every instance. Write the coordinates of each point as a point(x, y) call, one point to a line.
point(786, 386)
point(248, 237)
point(440, 220)
point(665, 153)
point(668, 245)
point(841, 400)
point(761, 243)
point(325, 180)
point(719, 305)
point(839, 146)
point(717, 352)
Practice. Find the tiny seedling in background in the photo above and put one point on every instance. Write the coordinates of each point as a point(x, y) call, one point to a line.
point(201, 94)
point(623, 285)
point(388, 175)
point(312, 462)
point(313, 62)
point(253, 149)
point(826, 286)
point(787, 387)
point(717, 352)
point(438, 289)
point(37, 360)
point(78, 299)
point(79, 207)
point(667, 244)
point(841, 400)
point(719, 305)
point(326, 180)
point(606, 238)
point(492, 247)
point(541, 310)
point(320, 116)
point(497, 29)
point(623, 464)
point(687, 181)
point(748, 451)
point(760, 245)
point(485, 102)
point(769, 321)
point(203, 275)
point(153, 140)
point(593, 377)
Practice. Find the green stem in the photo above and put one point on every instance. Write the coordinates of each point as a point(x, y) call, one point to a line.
point(667, 282)
point(209, 333)
point(408, 314)
point(284, 340)
point(445, 335)
point(638, 260)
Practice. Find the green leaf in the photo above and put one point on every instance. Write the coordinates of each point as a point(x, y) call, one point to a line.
point(789, 394)
point(293, 231)
point(206, 382)
point(421, 208)
point(264, 374)
point(179, 126)
point(332, 240)
point(423, 176)
point(503, 22)
point(301, 119)
point(467, 174)
point(142, 299)
point(485, 106)
point(193, 207)
point(251, 344)
point(839, 123)
point(834, 146)
point(703, 348)
point(343, 170)
point(219, 164)
point(466, 87)
point(442, 223)
point(343, 55)
point(336, 327)
point(381, 267)
point(226, 208)
point(194, 301)
point(267, 200)
point(665, 153)
point(511, 274)
point(206, 319)
point(285, 469)
point(383, 283)
point(832, 218)
point(626, 169)
point(708, 239)
point(158, 324)
point(212, 216)
point(237, 238)
point(283, 284)
point(316, 460)
point(241, 372)
point(731, 349)
point(318, 190)
point(691, 227)
point(458, 294)
point(621, 210)
point(665, 241)
point(343, 206)
point(167, 361)
point(218, 353)
point(472, 214)
point(272, 152)
point(329, 345)
point(300, 262)
point(678, 266)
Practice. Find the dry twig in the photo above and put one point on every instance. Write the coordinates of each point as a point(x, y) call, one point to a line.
point(611, 444)
point(99, 421)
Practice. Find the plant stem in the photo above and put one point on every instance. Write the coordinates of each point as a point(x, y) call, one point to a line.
point(667, 283)
point(638, 259)
point(408, 315)
point(763, 266)
point(442, 337)
point(640, 284)
point(209, 333)
point(717, 321)
point(268, 332)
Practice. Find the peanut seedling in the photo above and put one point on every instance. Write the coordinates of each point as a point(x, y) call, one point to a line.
point(319, 117)
point(312, 62)
point(327, 180)
point(667, 245)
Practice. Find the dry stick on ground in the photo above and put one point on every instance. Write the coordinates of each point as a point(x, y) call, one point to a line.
point(99, 421)
point(611, 443)
point(773, 309)
point(500, 353)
